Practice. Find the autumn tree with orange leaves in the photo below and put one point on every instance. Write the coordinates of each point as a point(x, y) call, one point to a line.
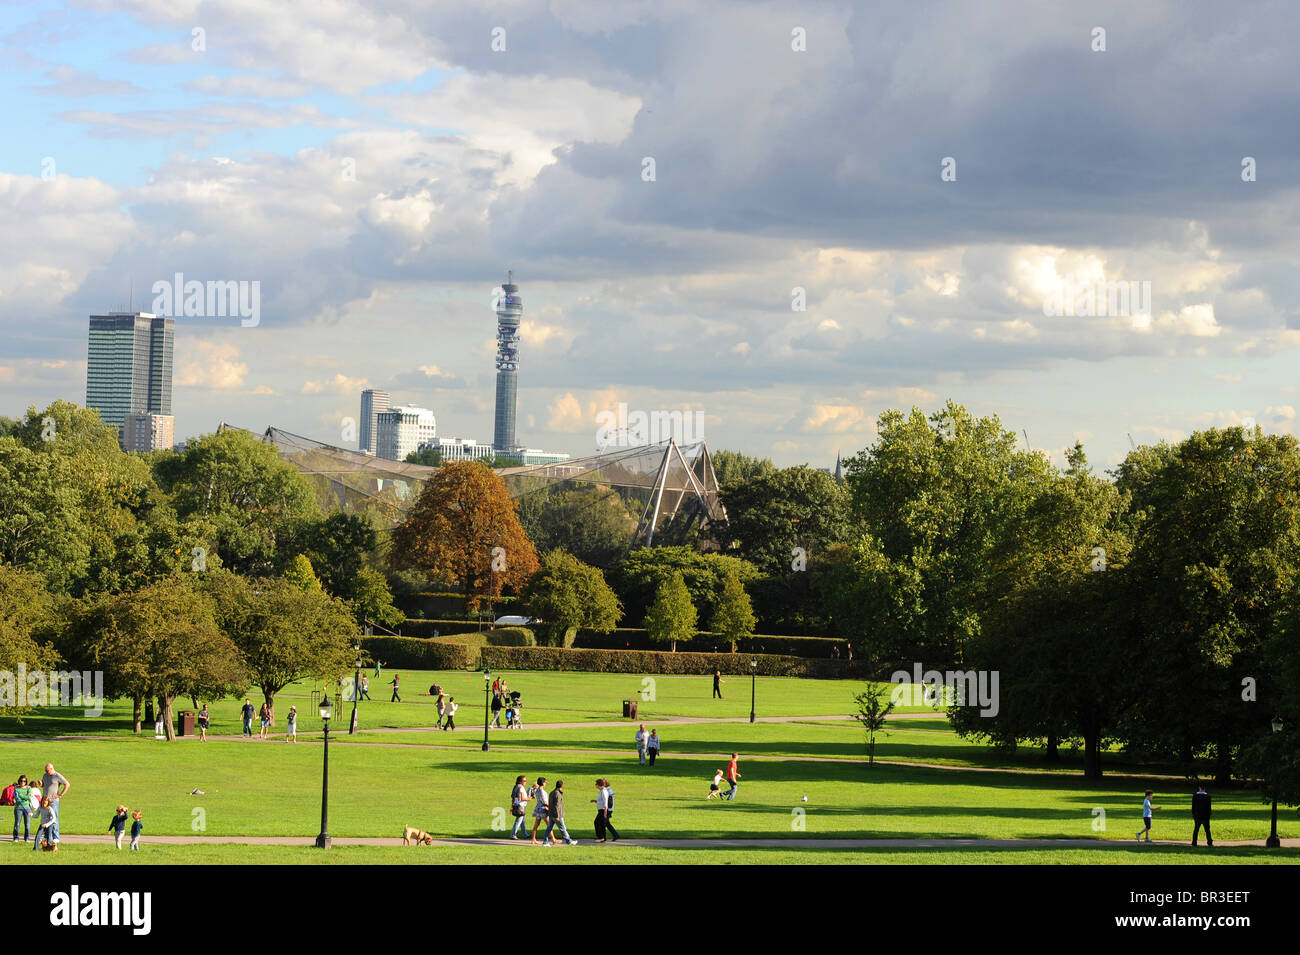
point(465, 529)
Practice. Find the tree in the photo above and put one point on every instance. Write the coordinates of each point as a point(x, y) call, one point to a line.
point(256, 502)
point(733, 618)
point(566, 594)
point(465, 529)
point(592, 523)
point(284, 633)
point(372, 600)
point(300, 574)
point(732, 467)
point(28, 619)
point(874, 707)
point(162, 641)
point(428, 457)
point(637, 578)
point(672, 615)
point(771, 514)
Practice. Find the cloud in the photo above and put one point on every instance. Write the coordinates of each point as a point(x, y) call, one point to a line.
point(208, 364)
point(339, 383)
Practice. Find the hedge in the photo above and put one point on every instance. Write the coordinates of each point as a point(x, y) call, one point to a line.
point(426, 628)
point(635, 638)
point(418, 654)
point(657, 661)
point(500, 637)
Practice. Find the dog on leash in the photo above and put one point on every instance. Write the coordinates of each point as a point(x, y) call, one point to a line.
point(421, 837)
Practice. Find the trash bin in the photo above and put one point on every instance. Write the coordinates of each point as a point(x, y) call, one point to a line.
point(187, 723)
point(629, 709)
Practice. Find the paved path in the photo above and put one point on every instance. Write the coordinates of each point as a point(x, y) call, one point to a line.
point(687, 843)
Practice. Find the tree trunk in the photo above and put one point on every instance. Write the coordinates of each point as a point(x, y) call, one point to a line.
point(269, 697)
point(1222, 765)
point(165, 706)
point(1092, 755)
point(1053, 754)
point(149, 715)
point(136, 704)
point(673, 647)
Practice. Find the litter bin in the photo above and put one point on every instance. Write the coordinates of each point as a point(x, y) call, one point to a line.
point(629, 709)
point(187, 723)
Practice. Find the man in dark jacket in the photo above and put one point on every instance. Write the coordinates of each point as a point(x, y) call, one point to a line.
point(1201, 815)
point(555, 814)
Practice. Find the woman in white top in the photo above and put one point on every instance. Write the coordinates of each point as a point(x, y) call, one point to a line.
point(541, 806)
point(519, 807)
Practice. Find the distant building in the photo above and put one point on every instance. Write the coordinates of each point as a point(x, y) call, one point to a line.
point(404, 429)
point(372, 402)
point(529, 456)
point(148, 432)
point(509, 309)
point(129, 366)
point(463, 449)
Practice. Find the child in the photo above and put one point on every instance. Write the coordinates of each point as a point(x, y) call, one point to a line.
point(118, 826)
point(716, 785)
point(451, 714)
point(519, 715)
point(291, 727)
point(1146, 817)
point(137, 827)
point(43, 830)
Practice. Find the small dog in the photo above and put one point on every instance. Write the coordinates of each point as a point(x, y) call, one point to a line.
point(421, 837)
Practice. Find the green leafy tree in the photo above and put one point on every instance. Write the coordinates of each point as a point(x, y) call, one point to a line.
point(636, 579)
point(671, 618)
point(874, 706)
point(300, 574)
point(592, 523)
point(770, 515)
point(28, 622)
point(732, 467)
point(429, 457)
point(565, 595)
point(733, 618)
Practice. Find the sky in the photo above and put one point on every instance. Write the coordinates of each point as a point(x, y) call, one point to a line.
point(788, 217)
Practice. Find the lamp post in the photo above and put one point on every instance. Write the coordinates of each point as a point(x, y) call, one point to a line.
point(323, 840)
point(487, 686)
point(1273, 842)
point(753, 680)
point(356, 686)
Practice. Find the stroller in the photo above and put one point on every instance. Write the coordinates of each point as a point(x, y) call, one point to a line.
point(513, 719)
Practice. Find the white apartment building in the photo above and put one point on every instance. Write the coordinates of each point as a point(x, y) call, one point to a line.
point(404, 429)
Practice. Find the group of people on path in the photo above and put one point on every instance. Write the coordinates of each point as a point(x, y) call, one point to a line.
point(447, 707)
point(548, 808)
point(647, 745)
point(36, 807)
point(506, 701)
point(1201, 808)
point(265, 716)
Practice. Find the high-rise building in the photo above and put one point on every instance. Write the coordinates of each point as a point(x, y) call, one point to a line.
point(401, 430)
point(148, 432)
point(372, 402)
point(509, 309)
point(129, 365)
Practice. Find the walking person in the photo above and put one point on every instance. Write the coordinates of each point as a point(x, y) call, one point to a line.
point(117, 826)
point(609, 810)
point(204, 720)
point(452, 706)
point(264, 717)
point(54, 787)
point(602, 804)
point(441, 706)
point(247, 712)
point(397, 684)
point(496, 709)
point(1147, 809)
point(291, 726)
point(541, 805)
point(17, 796)
point(733, 778)
point(365, 687)
point(137, 827)
point(717, 684)
point(642, 741)
point(715, 787)
point(1200, 815)
point(652, 746)
point(555, 817)
point(379, 668)
point(519, 806)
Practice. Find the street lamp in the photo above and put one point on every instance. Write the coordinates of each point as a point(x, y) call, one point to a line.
point(1273, 842)
point(487, 686)
point(356, 684)
point(753, 680)
point(323, 840)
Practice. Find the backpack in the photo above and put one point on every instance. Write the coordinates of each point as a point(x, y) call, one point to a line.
point(8, 798)
point(515, 808)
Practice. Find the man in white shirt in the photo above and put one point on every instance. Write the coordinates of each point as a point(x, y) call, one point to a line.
point(602, 806)
point(642, 740)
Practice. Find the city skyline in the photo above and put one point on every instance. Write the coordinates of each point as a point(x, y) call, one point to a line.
point(786, 220)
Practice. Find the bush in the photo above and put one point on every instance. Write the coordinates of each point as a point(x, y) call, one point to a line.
point(635, 638)
point(426, 628)
point(417, 654)
point(657, 661)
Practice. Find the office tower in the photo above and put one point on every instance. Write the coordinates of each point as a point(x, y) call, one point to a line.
point(129, 365)
point(509, 309)
point(401, 430)
point(372, 402)
point(148, 432)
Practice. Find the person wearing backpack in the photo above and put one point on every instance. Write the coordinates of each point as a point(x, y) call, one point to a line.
point(518, 800)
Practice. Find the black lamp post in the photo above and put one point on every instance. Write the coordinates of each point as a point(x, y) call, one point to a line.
point(1273, 842)
point(323, 840)
point(487, 686)
point(753, 680)
point(356, 686)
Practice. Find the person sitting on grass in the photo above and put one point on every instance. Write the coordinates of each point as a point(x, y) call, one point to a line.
point(118, 826)
point(137, 827)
